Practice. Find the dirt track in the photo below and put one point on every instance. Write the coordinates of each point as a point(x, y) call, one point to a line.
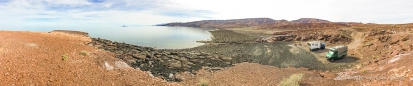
point(358, 38)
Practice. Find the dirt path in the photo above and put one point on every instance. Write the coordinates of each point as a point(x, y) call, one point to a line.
point(243, 74)
point(357, 39)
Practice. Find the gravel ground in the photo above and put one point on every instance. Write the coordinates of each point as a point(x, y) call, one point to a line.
point(275, 54)
point(279, 54)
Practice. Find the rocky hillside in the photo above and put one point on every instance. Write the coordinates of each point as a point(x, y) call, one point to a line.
point(263, 23)
point(225, 23)
point(331, 36)
point(310, 20)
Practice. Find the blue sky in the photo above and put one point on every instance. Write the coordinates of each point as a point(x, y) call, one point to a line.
point(150, 12)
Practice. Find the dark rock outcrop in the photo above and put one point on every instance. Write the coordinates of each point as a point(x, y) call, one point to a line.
point(162, 62)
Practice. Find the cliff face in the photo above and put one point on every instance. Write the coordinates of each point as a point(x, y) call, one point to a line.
point(262, 23)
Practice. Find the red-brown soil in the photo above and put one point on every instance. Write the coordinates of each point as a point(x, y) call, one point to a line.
point(34, 58)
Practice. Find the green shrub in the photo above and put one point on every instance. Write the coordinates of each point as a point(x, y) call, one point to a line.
point(203, 82)
point(84, 53)
point(294, 80)
point(64, 57)
point(369, 43)
point(364, 70)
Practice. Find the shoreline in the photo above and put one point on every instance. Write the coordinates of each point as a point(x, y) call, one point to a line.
point(224, 50)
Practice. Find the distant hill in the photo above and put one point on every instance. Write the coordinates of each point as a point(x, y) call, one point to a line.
point(310, 20)
point(262, 23)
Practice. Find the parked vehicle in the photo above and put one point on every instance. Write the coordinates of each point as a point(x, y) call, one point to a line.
point(316, 45)
point(337, 52)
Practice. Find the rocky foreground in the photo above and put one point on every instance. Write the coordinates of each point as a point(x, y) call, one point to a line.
point(58, 58)
point(364, 59)
point(226, 49)
point(160, 62)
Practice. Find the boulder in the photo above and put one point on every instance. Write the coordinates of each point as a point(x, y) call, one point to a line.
point(216, 68)
point(192, 53)
point(288, 39)
point(226, 58)
point(142, 65)
point(174, 53)
point(406, 48)
point(158, 56)
point(189, 63)
point(129, 59)
point(150, 56)
point(394, 40)
point(204, 54)
point(320, 37)
point(201, 57)
point(384, 38)
point(119, 52)
point(184, 60)
point(191, 57)
point(327, 75)
point(181, 55)
point(134, 51)
point(166, 53)
point(170, 56)
point(175, 64)
point(195, 60)
point(305, 38)
point(396, 49)
point(175, 57)
point(139, 56)
point(110, 48)
point(150, 62)
point(298, 38)
point(183, 52)
point(405, 38)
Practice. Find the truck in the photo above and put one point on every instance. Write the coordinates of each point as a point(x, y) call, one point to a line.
point(316, 45)
point(336, 52)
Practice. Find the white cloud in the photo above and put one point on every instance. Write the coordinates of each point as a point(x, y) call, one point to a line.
point(67, 2)
point(378, 11)
point(149, 12)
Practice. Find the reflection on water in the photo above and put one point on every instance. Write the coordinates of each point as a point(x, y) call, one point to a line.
point(152, 36)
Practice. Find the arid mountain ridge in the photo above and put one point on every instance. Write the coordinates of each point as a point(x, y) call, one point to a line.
point(263, 23)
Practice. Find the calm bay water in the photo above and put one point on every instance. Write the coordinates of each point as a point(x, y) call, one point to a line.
point(160, 37)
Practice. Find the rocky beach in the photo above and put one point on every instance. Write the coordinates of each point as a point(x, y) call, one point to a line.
point(224, 50)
